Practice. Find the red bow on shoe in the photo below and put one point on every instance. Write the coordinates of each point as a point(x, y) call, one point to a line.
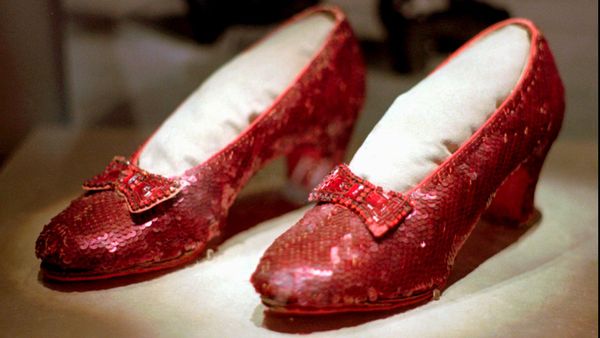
point(380, 210)
point(141, 189)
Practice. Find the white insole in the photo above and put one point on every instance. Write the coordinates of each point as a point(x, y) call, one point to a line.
point(428, 123)
point(227, 102)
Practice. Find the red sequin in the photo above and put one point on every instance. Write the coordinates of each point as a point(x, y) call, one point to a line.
point(141, 189)
point(380, 210)
point(329, 262)
point(98, 237)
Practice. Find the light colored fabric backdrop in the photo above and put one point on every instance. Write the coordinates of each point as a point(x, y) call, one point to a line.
point(539, 281)
point(529, 282)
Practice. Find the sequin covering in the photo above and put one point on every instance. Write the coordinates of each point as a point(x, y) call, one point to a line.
point(380, 210)
point(329, 262)
point(97, 235)
point(140, 189)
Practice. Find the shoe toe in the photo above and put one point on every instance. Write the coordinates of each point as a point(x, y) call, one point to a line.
point(97, 235)
point(322, 262)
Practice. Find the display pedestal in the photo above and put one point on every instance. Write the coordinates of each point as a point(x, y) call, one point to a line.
point(535, 281)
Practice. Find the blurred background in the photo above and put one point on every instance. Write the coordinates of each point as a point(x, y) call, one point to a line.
point(80, 64)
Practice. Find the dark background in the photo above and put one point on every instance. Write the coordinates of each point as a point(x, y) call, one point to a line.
point(128, 63)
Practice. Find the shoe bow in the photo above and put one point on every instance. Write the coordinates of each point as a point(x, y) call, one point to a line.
point(141, 189)
point(380, 210)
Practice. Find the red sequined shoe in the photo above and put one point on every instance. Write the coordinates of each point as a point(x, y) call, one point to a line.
point(279, 98)
point(366, 247)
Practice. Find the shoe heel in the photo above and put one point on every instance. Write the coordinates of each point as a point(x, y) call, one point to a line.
point(307, 165)
point(513, 203)
point(325, 145)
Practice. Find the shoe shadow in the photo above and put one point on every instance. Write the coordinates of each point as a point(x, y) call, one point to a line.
point(309, 324)
point(246, 212)
point(485, 241)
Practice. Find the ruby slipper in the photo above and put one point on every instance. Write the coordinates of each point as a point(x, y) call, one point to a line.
point(468, 141)
point(167, 203)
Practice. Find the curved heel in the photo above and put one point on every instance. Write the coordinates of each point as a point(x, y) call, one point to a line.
point(513, 203)
point(307, 165)
point(323, 146)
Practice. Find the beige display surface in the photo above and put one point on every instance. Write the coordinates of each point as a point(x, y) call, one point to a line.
point(535, 281)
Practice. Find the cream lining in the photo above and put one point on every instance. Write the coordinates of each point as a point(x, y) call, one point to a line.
point(227, 102)
point(428, 123)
